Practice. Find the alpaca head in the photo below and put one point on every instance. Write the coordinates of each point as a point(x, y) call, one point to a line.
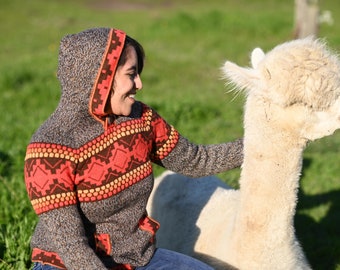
point(299, 79)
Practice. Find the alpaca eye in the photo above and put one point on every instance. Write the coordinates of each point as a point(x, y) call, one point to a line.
point(268, 75)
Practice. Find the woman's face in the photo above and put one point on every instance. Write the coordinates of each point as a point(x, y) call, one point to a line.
point(126, 84)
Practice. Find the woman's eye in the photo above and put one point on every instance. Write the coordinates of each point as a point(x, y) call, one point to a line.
point(132, 75)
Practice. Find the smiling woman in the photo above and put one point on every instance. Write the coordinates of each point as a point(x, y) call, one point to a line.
point(88, 168)
point(126, 83)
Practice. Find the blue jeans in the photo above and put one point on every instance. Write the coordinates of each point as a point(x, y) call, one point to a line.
point(163, 259)
point(40, 266)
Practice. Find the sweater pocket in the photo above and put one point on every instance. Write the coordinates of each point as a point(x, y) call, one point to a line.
point(150, 225)
point(103, 244)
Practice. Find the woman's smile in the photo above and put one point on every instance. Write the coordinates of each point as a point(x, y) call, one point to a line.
point(126, 84)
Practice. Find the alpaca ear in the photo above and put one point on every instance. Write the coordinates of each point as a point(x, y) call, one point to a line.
point(256, 57)
point(242, 78)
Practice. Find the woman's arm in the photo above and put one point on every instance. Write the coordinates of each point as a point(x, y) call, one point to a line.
point(199, 160)
point(51, 187)
point(62, 230)
point(176, 153)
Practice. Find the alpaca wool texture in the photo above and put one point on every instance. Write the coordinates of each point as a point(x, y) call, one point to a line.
point(89, 181)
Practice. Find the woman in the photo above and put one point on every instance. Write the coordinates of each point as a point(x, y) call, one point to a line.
point(88, 168)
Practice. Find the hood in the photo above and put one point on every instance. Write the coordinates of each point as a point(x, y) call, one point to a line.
point(87, 65)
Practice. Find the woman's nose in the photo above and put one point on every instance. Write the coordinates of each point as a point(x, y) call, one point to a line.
point(138, 82)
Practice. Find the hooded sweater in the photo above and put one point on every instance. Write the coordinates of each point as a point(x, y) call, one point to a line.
point(89, 180)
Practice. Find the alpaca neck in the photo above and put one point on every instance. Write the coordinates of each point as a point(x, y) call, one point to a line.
point(268, 185)
point(270, 172)
point(272, 159)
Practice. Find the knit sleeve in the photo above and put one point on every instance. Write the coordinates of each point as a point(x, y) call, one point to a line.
point(200, 160)
point(164, 138)
point(49, 178)
point(176, 153)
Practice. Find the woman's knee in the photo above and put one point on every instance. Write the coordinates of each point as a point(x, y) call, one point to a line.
point(164, 259)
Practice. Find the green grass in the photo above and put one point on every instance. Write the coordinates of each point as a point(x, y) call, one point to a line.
point(185, 44)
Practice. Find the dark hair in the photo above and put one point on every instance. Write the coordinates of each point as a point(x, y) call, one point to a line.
point(129, 41)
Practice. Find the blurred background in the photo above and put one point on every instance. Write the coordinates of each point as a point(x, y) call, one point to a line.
point(186, 42)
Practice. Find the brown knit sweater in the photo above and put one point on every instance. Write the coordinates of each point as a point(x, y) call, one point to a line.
point(88, 181)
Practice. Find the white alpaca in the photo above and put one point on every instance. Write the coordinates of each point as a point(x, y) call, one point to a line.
point(293, 97)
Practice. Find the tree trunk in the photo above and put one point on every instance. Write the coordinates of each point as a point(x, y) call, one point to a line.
point(306, 18)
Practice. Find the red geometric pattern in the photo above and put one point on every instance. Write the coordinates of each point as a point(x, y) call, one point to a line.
point(103, 84)
point(164, 132)
point(115, 186)
point(146, 223)
point(46, 257)
point(103, 244)
point(49, 186)
point(57, 176)
point(163, 151)
point(52, 258)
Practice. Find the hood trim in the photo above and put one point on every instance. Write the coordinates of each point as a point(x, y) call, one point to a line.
point(104, 80)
